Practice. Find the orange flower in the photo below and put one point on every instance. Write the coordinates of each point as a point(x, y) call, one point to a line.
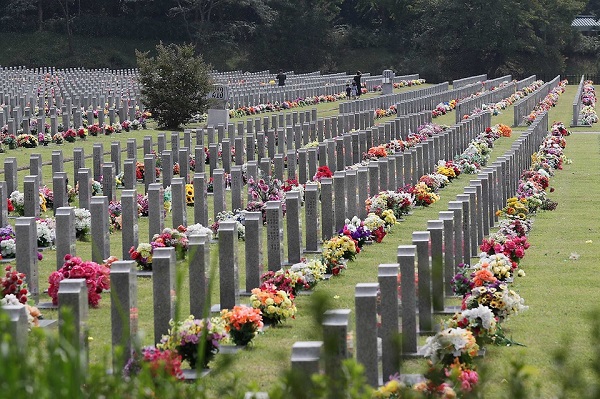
point(483, 276)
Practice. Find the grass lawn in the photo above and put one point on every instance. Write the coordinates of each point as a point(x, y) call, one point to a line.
point(558, 290)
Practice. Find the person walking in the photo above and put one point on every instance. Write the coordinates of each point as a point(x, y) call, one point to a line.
point(358, 84)
point(281, 78)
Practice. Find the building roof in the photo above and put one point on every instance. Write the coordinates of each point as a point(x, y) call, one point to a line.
point(585, 23)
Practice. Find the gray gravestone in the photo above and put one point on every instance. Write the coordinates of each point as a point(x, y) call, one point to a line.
point(335, 335)
point(228, 267)
point(98, 160)
point(219, 192)
point(66, 239)
point(422, 241)
point(78, 163)
point(129, 220)
point(3, 204)
point(274, 235)
point(100, 229)
point(311, 216)
point(339, 188)
point(73, 298)
point(365, 302)
point(447, 217)
point(129, 175)
point(10, 174)
point(406, 259)
point(108, 181)
point(199, 264)
point(305, 359)
point(163, 289)
point(156, 211)
point(293, 225)
point(253, 250)
point(124, 311)
point(436, 232)
point(387, 276)
point(31, 196)
point(167, 164)
point(178, 208)
point(115, 155)
point(200, 199)
point(327, 226)
point(26, 253)
point(149, 171)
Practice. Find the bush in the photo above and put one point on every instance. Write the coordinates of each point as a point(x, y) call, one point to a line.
point(174, 84)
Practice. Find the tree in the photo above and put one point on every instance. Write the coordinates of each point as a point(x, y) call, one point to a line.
point(174, 83)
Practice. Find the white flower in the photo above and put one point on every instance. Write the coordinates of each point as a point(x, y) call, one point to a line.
point(198, 229)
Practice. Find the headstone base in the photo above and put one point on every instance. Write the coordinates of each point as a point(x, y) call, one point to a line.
point(46, 323)
point(46, 305)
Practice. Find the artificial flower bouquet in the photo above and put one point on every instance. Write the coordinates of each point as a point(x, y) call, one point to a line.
point(189, 336)
point(242, 323)
point(275, 305)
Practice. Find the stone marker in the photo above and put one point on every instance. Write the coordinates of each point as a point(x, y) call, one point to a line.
point(178, 208)
point(335, 333)
point(100, 232)
point(199, 263)
point(422, 240)
point(163, 289)
point(26, 253)
point(436, 232)
point(228, 267)
point(388, 285)
point(18, 326)
point(311, 216)
point(73, 298)
point(274, 235)
point(406, 259)
point(129, 220)
point(156, 213)
point(66, 238)
point(253, 250)
point(31, 196)
point(200, 199)
point(123, 310)
point(365, 302)
point(305, 359)
point(293, 225)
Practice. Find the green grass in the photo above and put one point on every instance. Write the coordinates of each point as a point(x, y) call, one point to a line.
point(559, 291)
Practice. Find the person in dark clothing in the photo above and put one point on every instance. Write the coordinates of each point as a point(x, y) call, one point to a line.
point(358, 85)
point(348, 91)
point(281, 77)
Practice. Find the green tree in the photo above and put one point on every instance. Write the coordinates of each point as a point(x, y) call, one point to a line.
point(174, 83)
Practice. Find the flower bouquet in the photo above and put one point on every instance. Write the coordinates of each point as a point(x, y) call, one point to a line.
point(237, 216)
point(336, 251)
point(499, 265)
point(172, 238)
point(313, 271)
point(285, 280)
point(70, 135)
point(449, 344)
point(322, 172)
point(27, 141)
point(160, 363)
point(11, 141)
point(197, 341)
point(376, 226)
point(115, 215)
point(17, 200)
point(357, 230)
point(8, 247)
point(46, 232)
point(242, 323)
point(275, 306)
point(480, 321)
point(197, 229)
point(189, 194)
point(83, 223)
point(48, 195)
point(514, 209)
point(94, 129)
point(502, 301)
point(13, 283)
point(142, 255)
point(96, 278)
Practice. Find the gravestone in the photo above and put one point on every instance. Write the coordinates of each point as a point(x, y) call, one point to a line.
point(254, 250)
point(199, 264)
point(26, 258)
point(149, 174)
point(18, 326)
point(156, 211)
point(129, 220)
point(237, 185)
point(274, 235)
point(327, 226)
point(184, 164)
point(163, 289)
point(436, 232)
point(3, 204)
point(447, 217)
point(219, 192)
point(406, 259)
point(305, 359)
point(421, 239)
point(200, 199)
point(228, 267)
point(85, 187)
point(66, 239)
point(10, 174)
point(387, 277)
point(129, 175)
point(339, 188)
point(311, 216)
point(351, 186)
point(31, 196)
point(115, 155)
point(178, 208)
point(365, 302)
point(167, 164)
point(98, 160)
point(100, 232)
point(335, 333)
point(108, 181)
point(73, 298)
point(57, 162)
point(124, 311)
point(293, 225)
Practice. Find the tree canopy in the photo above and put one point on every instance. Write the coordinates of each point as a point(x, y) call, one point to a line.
point(175, 84)
point(439, 37)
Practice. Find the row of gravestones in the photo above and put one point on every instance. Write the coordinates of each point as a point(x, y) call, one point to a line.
point(524, 106)
point(577, 103)
point(449, 240)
